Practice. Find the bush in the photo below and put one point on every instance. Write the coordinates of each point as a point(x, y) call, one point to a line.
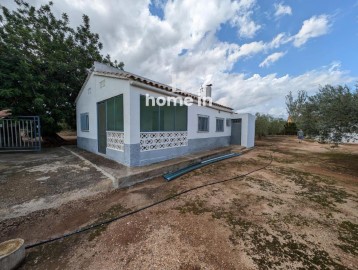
point(269, 125)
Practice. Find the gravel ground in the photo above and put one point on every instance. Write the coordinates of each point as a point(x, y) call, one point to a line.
point(298, 213)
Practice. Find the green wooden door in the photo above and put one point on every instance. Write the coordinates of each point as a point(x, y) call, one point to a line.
point(101, 123)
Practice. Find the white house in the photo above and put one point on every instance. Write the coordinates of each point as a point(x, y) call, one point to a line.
point(114, 120)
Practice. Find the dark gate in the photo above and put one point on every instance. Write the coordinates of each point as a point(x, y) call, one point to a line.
point(22, 133)
point(236, 131)
point(102, 129)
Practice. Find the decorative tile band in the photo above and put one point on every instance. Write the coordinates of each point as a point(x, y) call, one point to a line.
point(115, 140)
point(162, 140)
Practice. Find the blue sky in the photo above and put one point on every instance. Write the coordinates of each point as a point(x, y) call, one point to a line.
point(253, 52)
point(339, 45)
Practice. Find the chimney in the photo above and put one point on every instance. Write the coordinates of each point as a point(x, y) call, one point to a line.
point(208, 90)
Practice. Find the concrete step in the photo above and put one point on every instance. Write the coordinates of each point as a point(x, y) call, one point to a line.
point(124, 176)
point(140, 174)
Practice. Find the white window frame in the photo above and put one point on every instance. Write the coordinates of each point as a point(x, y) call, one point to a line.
point(207, 117)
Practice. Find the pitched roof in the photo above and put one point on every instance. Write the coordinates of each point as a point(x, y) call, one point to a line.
point(104, 69)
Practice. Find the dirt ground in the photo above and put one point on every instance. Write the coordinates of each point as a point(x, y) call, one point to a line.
point(301, 212)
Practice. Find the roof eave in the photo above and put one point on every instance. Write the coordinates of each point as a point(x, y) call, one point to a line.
point(132, 77)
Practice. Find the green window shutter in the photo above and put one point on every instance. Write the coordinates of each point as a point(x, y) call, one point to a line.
point(118, 113)
point(162, 118)
point(110, 114)
point(149, 116)
point(155, 118)
point(114, 113)
point(181, 118)
point(167, 117)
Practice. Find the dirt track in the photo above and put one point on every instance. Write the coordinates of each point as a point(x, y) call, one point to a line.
point(300, 212)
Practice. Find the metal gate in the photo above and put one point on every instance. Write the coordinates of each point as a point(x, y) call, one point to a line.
point(236, 131)
point(22, 133)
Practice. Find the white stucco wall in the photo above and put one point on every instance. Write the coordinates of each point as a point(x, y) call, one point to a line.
point(93, 93)
point(194, 111)
point(247, 129)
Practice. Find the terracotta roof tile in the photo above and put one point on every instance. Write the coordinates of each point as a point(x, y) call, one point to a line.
point(128, 75)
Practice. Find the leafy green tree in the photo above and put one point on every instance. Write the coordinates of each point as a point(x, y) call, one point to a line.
point(330, 114)
point(43, 63)
point(267, 125)
point(261, 125)
point(295, 106)
point(336, 113)
point(309, 117)
point(276, 126)
point(290, 128)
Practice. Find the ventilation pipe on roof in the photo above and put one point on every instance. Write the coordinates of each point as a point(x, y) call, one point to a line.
point(208, 90)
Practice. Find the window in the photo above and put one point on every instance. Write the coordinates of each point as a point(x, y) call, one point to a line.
point(114, 108)
point(84, 122)
point(102, 83)
point(203, 123)
point(162, 118)
point(228, 122)
point(219, 124)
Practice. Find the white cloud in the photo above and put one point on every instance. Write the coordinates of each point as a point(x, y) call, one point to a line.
point(242, 19)
point(247, 27)
point(256, 47)
point(279, 40)
point(282, 9)
point(150, 47)
point(271, 59)
point(252, 48)
point(267, 93)
point(314, 27)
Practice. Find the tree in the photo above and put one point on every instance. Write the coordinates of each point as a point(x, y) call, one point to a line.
point(309, 117)
point(336, 113)
point(276, 126)
point(261, 125)
point(290, 128)
point(267, 125)
point(295, 106)
point(330, 114)
point(43, 63)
